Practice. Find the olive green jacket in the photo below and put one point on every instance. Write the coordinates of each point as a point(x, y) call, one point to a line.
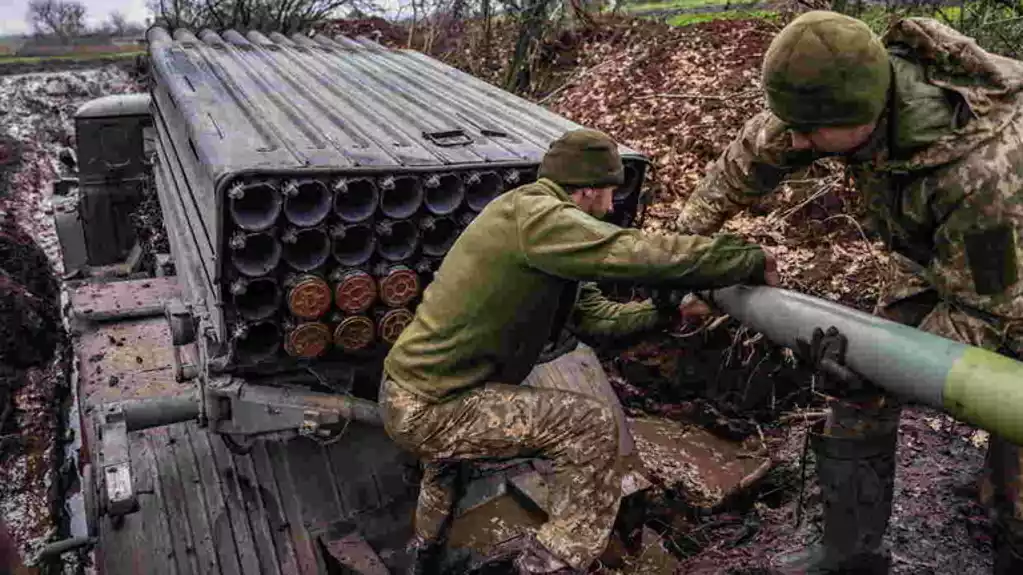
point(494, 302)
point(942, 178)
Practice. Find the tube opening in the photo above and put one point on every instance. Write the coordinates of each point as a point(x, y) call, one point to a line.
point(258, 342)
point(403, 198)
point(255, 254)
point(481, 191)
point(446, 195)
point(306, 250)
point(400, 242)
point(439, 236)
point(309, 297)
point(356, 291)
point(355, 200)
point(255, 207)
point(307, 340)
point(399, 286)
point(393, 323)
point(258, 299)
point(307, 203)
point(353, 245)
point(355, 333)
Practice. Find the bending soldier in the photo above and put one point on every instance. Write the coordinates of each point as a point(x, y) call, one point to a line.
point(515, 276)
point(931, 127)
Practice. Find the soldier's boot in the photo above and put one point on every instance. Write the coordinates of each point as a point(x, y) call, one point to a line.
point(1005, 470)
point(856, 477)
point(1009, 554)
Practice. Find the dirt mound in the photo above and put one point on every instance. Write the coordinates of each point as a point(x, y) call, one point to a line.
point(26, 263)
point(680, 95)
point(28, 326)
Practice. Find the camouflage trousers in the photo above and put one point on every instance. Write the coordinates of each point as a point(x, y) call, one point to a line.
point(1003, 474)
point(578, 434)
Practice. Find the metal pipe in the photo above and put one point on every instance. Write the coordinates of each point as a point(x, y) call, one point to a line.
point(254, 206)
point(401, 196)
point(255, 254)
point(355, 199)
point(305, 249)
point(439, 234)
point(353, 245)
point(256, 299)
point(481, 188)
point(444, 193)
point(142, 414)
point(971, 384)
point(255, 342)
point(397, 240)
point(306, 202)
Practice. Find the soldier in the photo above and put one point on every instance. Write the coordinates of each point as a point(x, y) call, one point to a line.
point(518, 274)
point(931, 129)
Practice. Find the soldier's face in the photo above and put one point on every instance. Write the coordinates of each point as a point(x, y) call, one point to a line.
point(833, 140)
point(598, 202)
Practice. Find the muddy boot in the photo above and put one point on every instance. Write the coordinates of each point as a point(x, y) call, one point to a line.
point(425, 556)
point(856, 474)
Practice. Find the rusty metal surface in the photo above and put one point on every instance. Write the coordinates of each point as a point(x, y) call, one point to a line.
point(705, 468)
point(106, 298)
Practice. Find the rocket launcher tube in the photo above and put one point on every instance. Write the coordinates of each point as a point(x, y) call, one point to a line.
point(972, 384)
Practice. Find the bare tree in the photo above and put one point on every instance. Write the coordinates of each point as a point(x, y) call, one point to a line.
point(62, 18)
point(284, 16)
point(118, 24)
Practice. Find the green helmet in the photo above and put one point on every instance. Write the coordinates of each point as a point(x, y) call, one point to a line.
point(584, 158)
point(826, 69)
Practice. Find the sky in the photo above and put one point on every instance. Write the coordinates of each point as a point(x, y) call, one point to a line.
point(13, 12)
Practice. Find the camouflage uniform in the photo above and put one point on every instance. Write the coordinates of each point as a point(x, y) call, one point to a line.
point(943, 181)
point(514, 277)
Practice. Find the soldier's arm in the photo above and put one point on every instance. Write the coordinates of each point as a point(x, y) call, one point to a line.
point(978, 257)
point(596, 315)
point(560, 239)
point(752, 166)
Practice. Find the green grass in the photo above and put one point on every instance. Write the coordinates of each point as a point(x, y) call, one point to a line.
point(38, 59)
point(673, 4)
point(690, 19)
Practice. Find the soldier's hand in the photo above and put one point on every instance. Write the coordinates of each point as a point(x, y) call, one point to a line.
point(693, 310)
point(771, 275)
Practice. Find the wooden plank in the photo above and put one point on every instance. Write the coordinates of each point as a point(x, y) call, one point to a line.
point(277, 521)
point(194, 501)
point(253, 498)
point(351, 462)
point(168, 483)
point(213, 490)
point(235, 518)
point(314, 482)
point(305, 554)
point(152, 540)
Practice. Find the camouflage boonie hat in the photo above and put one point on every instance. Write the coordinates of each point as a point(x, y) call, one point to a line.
point(826, 69)
point(583, 158)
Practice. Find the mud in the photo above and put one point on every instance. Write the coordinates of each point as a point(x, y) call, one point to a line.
point(36, 125)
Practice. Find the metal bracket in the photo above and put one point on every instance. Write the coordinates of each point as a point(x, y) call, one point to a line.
point(118, 492)
point(183, 334)
point(826, 352)
point(247, 410)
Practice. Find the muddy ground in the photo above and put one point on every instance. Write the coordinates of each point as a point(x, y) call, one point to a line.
point(36, 113)
point(677, 96)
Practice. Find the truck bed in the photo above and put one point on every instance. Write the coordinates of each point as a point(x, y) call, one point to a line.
point(204, 509)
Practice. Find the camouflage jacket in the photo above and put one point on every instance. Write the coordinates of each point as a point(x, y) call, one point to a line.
point(942, 176)
point(528, 260)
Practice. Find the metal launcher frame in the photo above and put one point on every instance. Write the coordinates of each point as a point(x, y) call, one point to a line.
point(309, 188)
